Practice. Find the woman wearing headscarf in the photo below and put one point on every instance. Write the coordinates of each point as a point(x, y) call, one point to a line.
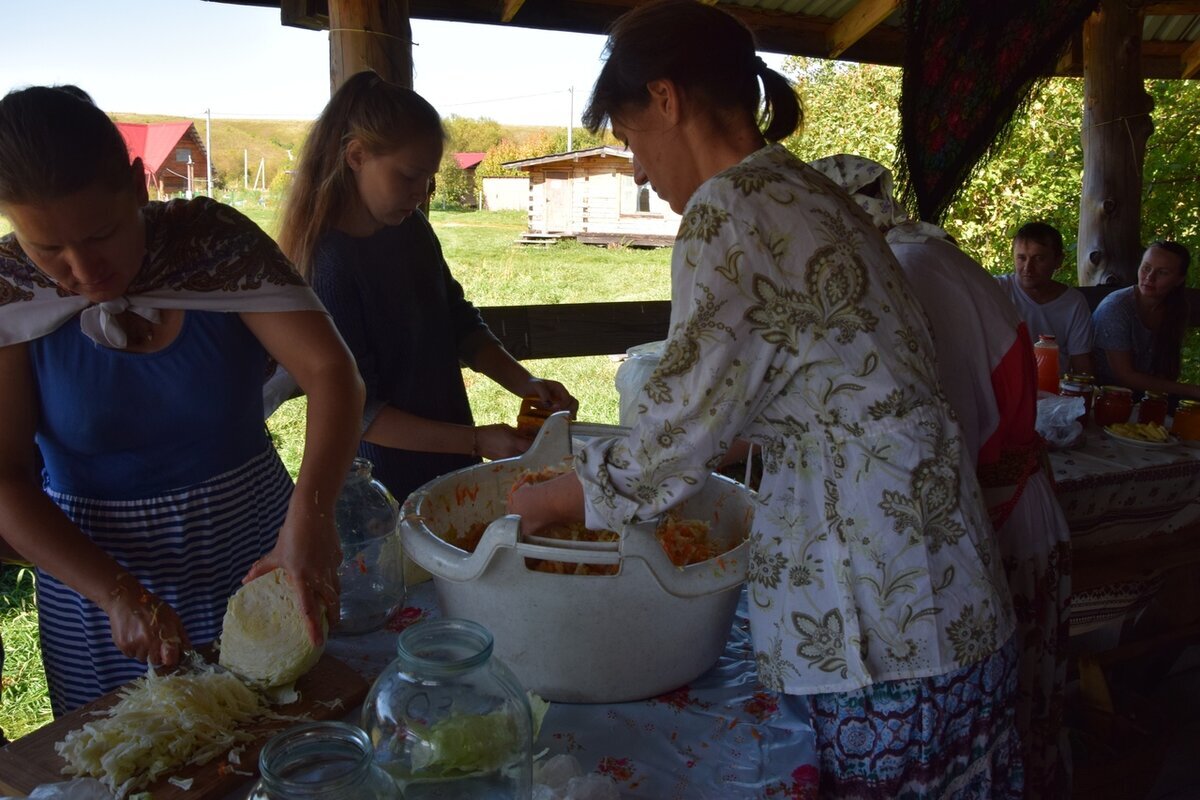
point(877, 596)
point(985, 361)
point(134, 339)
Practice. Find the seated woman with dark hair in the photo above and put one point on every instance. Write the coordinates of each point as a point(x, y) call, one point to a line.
point(1140, 329)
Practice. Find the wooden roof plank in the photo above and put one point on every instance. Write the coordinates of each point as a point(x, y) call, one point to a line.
point(864, 17)
point(510, 9)
point(1191, 61)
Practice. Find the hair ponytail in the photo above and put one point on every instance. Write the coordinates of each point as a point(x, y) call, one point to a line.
point(383, 117)
point(701, 48)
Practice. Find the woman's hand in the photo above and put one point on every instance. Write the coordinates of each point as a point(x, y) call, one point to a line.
point(309, 551)
point(500, 441)
point(144, 626)
point(540, 505)
point(552, 394)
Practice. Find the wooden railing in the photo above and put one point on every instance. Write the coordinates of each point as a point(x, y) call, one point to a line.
point(598, 329)
point(577, 329)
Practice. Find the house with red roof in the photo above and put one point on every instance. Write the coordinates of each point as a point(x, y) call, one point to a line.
point(172, 153)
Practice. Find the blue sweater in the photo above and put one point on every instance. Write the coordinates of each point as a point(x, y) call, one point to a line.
point(405, 319)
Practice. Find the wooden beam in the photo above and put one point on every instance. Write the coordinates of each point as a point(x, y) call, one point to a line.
point(1116, 125)
point(370, 34)
point(856, 23)
point(568, 330)
point(1171, 9)
point(510, 9)
point(1191, 60)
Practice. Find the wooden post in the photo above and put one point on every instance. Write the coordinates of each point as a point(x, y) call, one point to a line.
point(370, 34)
point(1116, 125)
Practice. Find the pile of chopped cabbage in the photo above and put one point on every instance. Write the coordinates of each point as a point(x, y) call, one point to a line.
point(263, 636)
point(469, 744)
point(162, 723)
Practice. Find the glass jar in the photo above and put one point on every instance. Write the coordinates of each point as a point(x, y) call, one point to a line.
point(1113, 404)
point(1153, 408)
point(372, 570)
point(1186, 424)
point(1079, 384)
point(448, 720)
point(321, 760)
point(1045, 355)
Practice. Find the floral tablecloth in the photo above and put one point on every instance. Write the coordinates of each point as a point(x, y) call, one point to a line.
point(721, 737)
point(1113, 493)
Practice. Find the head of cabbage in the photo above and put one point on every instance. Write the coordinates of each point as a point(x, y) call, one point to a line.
point(263, 636)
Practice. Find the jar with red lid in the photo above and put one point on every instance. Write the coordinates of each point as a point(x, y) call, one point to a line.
point(1153, 408)
point(1186, 424)
point(1113, 404)
point(1078, 384)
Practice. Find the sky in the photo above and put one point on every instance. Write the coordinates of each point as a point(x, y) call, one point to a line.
point(186, 57)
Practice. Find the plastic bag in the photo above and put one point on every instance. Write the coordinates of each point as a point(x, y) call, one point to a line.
point(1058, 420)
point(632, 375)
point(78, 789)
point(562, 778)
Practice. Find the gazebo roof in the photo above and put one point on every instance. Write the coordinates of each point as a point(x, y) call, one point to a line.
point(854, 30)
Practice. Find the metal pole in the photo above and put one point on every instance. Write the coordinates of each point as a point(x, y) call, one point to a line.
point(571, 119)
point(208, 150)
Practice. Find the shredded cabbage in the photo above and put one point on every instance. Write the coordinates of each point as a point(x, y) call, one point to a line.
point(263, 636)
point(159, 724)
point(465, 744)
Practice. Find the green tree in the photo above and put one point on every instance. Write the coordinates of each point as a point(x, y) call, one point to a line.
point(455, 189)
point(468, 135)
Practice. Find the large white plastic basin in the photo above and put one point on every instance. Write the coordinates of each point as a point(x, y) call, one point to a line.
point(651, 628)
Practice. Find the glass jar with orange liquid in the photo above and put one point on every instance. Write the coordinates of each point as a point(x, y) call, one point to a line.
point(1045, 353)
point(1186, 424)
point(1113, 404)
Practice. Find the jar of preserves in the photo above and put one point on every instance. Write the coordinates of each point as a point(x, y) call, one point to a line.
point(322, 761)
point(1186, 424)
point(1153, 408)
point(372, 570)
point(448, 720)
point(1113, 404)
point(1079, 384)
point(1045, 354)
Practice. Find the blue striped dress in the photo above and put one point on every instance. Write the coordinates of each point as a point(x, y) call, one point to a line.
point(163, 460)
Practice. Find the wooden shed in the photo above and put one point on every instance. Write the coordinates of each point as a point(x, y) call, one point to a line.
point(172, 153)
point(590, 195)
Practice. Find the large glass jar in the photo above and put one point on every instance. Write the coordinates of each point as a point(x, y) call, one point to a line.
point(1186, 424)
point(1113, 404)
point(372, 570)
point(448, 720)
point(322, 761)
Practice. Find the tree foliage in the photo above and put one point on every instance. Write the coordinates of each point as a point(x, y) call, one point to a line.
point(470, 135)
point(1035, 175)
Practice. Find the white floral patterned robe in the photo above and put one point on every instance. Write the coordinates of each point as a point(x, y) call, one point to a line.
point(872, 557)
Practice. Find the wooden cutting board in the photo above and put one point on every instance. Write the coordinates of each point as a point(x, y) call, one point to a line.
point(31, 760)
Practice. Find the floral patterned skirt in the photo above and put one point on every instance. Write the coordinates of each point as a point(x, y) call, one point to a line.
point(949, 736)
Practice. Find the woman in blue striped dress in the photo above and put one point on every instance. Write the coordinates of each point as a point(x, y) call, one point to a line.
point(134, 338)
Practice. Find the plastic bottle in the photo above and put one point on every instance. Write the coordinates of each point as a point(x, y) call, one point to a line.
point(1045, 353)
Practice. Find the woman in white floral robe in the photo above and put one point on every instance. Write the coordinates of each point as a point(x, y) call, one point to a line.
point(875, 588)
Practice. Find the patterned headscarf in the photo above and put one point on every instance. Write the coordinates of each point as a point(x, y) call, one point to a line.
point(224, 264)
point(855, 174)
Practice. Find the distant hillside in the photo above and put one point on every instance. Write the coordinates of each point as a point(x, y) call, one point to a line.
point(273, 140)
point(236, 139)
